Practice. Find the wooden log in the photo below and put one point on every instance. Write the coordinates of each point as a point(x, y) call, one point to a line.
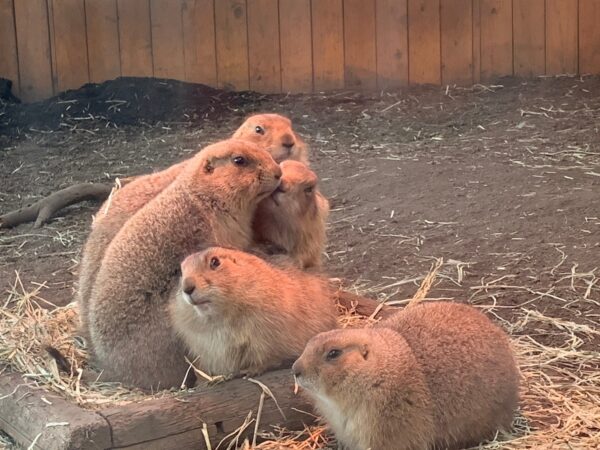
point(57, 425)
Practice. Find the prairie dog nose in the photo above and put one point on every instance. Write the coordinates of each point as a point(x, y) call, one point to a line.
point(297, 369)
point(188, 286)
point(287, 141)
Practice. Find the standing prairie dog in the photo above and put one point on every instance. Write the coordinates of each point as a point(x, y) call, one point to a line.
point(271, 132)
point(436, 375)
point(212, 202)
point(238, 314)
point(294, 217)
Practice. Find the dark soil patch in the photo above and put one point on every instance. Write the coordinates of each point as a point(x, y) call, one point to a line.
point(503, 182)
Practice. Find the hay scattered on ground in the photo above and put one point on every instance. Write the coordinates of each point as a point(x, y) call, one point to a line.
point(28, 324)
point(560, 406)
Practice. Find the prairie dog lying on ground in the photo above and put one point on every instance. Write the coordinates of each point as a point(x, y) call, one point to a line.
point(436, 375)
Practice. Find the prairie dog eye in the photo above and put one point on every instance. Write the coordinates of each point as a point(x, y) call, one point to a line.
point(259, 129)
point(309, 189)
point(214, 263)
point(333, 354)
point(240, 161)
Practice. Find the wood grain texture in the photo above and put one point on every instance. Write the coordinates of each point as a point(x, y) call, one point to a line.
point(328, 44)
point(69, 43)
point(222, 407)
point(263, 45)
point(456, 41)
point(360, 60)
point(392, 43)
point(200, 57)
point(102, 39)
point(424, 41)
point(561, 37)
point(33, 46)
point(529, 37)
point(295, 31)
point(135, 38)
point(24, 415)
point(167, 39)
point(232, 44)
point(589, 36)
point(9, 64)
point(496, 38)
point(476, 14)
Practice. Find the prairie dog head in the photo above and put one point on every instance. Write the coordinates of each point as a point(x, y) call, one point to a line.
point(294, 216)
point(334, 362)
point(236, 170)
point(297, 194)
point(219, 283)
point(275, 134)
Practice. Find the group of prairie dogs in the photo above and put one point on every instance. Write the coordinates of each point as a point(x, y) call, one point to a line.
point(217, 259)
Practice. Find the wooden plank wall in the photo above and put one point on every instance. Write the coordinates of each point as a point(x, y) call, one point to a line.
point(48, 46)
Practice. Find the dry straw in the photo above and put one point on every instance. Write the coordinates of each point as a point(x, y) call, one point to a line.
point(560, 407)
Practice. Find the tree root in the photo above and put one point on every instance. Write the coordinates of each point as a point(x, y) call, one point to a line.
point(42, 210)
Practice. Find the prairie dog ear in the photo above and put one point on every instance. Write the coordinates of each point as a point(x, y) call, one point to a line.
point(207, 166)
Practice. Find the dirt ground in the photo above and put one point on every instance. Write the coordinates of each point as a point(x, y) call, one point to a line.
point(501, 181)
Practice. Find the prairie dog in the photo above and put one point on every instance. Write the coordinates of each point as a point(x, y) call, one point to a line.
point(212, 202)
point(294, 217)
point(436, 375)
point(275, 133)
point(238, 314)
point(276, 136)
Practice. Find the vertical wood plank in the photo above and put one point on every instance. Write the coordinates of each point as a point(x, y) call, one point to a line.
point(135, 38)
point(360, 63)
point(561, 37)
point(9, 64)
point(35, 69)
point(589, 36)
point(496, 38)
point(296, 45)
point(328, 44)
point(167, 39)
point(199, 41)
point(102, 40)
point(424, 41)
point(476, 41)
point(457, 41)
point(392, 43)
point(264, 65)
point(232, 44)
point(70, 47)
point(529, 37)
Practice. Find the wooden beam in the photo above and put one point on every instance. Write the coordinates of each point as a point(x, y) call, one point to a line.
point(9, 65)
point(52, 423)
point(360, 51)
point(392, 43)
point(33, 43)
point(424, 42)
point(328, 44)
point(561, 37)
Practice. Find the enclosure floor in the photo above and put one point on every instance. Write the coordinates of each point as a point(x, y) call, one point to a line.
point(502, 182)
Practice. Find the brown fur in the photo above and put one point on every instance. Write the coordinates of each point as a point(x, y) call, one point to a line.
point(436, 375)
point(245, 315)
point(294, 217)
point(131, 197)
point(278, 138)
point(212, 202)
